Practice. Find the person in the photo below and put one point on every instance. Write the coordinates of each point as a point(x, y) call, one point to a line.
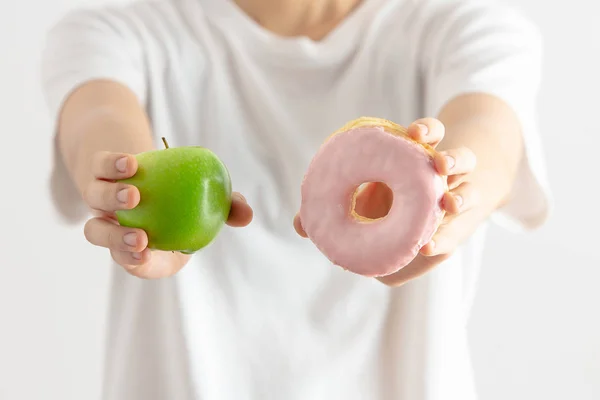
point(260, 313)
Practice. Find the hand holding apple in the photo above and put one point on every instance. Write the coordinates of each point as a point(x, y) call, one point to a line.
point(158, 205)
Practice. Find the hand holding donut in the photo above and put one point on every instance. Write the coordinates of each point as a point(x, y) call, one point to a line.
point(460, 198)
point(407, 216)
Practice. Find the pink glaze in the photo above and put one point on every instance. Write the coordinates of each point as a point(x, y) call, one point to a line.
point(349, 159)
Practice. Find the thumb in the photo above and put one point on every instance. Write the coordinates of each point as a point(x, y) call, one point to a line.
point(241, 213)
point(298, 226)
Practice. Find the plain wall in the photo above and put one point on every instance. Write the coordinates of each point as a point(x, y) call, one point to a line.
point(535, 329)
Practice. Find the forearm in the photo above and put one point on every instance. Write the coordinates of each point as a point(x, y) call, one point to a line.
point(100, 116)
point(490, 129)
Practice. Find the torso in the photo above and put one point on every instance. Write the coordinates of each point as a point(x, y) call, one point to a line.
point(261, 314)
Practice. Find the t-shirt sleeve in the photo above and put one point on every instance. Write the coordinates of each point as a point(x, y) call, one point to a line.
point(481, 47)
point(83, 46)
point(87, 45)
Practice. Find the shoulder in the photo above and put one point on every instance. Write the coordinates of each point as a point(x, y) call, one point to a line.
point(440, 22)
point(120, 42)
point(464, 20)
point(142, 21)
point(450, 12)
point(467, 38)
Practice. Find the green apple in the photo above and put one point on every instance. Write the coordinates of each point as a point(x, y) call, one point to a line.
point(185, 198)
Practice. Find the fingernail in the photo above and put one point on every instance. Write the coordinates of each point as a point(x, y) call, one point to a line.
point(130, 239)
point(459, 201)
point(137, 256)
point(123, 195)
point(431, 245)
point(423, 129)
point(121, 164)
point(450, 162)
point(240, 197)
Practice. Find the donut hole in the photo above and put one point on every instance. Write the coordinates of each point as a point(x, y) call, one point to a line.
point(372, 201)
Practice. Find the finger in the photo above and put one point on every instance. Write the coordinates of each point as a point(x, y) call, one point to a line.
point(456, 161)
point(241, 213)
point(157, 264)
point(461, 199)
point(104, 233)
point(455, 181)
point(418, 267)
point(427, 130)
point(109, 196)
point(446, 239)
point(428, 249)
point(131, 260)
point(298, 226)
point(112, 166)
point(441, 244)
point(112, 216)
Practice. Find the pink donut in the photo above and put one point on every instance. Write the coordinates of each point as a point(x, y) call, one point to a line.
point(371, 150)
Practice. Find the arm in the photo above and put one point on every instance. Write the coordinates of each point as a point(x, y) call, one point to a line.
point(483, 136)
point(480, 73)
point(489, 128)
point(94, 79)
point(100, 116)
point(100, 127)
point(100, 123)
point(491, 54)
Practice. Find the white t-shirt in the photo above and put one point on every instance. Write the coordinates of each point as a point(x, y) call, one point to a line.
point(260, 314)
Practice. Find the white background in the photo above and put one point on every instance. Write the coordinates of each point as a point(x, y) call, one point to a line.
point(535, 329)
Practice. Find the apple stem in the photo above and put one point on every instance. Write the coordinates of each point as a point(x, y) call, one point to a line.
point(165, 142)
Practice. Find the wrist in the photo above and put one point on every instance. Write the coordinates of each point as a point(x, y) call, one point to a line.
point(494, 190)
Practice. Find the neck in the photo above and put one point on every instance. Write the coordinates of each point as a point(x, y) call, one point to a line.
point(311, 18)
